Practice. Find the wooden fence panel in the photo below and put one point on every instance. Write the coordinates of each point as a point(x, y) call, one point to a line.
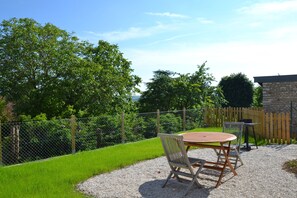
point(272, 127)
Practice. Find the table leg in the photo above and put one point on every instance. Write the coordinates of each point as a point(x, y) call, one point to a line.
point(227, 161)
point(187, 149)
point(246, 139)
point(255, 137)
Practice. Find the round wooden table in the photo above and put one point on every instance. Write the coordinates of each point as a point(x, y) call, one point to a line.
point(223, 141)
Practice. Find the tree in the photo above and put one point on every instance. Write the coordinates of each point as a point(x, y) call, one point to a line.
point(113, 84)
point(159, 92)
point(44, 69)
point(202, 93)
point(33, 62)
point(173, 91)
point(237, 90)
point(258, 97)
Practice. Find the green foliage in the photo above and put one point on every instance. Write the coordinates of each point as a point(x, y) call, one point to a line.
point(258, 97)
point(97, 132)
point(194, 119)
point(44, 69)
point(237, 90)
point(37, 139)
point(106, 86)
point(6, 110)
point(170, 123)
point(25, 118)
point(291, 166)
point(33, 62)
point(172, 91)
point(134, 126)
point(159, 92)
point(150, 127)
point(40, 117)
point(68, 112)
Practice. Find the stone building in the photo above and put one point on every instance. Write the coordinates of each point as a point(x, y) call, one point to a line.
point(278, 92)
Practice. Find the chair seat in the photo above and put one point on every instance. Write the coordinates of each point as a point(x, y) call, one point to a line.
point(195, 160)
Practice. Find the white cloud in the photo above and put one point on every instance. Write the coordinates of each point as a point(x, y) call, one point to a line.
point(255, 24)
point(167, 14)
point(270, 7)
point(132, 33)
point(287, 32)
point(176, 37)
point(204, 20)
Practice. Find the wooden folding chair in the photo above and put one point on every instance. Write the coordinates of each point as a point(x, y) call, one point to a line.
point(179, 162)
point(235, 128)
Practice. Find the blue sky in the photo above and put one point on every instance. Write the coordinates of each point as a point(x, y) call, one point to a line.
point(254, 37)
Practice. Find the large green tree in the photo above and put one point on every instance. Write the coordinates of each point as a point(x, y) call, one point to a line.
point(237, 90)
point(44, 69)
point(159, 92)
point(172, 91)
point(105, 82)
point(258, 97)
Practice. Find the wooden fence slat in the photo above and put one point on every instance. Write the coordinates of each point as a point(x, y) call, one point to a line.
point(275, 128)
point(279, 129)
point(267, 127)
point(261, 127)
point(288, 128)
point(283, 135)
point(270, 131)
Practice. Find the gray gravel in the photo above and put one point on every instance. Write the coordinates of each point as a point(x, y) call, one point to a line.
point(260, 176)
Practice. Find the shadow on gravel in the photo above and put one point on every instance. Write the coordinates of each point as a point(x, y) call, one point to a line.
point(173, 189)
point(277, 147)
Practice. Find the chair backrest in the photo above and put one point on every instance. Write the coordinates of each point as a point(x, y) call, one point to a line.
point(235, 128)
point(174, 149)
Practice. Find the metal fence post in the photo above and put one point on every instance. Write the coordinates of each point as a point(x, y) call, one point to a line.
point(123, 127)
point(158, 121)
point(73, 126)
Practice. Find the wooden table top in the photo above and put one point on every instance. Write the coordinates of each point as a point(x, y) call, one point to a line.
point(207, 137)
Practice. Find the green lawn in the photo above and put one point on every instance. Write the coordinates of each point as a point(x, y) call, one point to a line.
point(57, 177)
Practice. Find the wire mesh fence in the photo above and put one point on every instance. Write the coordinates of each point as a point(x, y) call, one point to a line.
point(28, 141)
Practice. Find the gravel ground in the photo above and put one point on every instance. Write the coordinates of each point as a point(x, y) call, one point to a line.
point(260, 176)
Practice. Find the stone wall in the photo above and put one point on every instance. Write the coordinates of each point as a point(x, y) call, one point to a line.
point(277, 96)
